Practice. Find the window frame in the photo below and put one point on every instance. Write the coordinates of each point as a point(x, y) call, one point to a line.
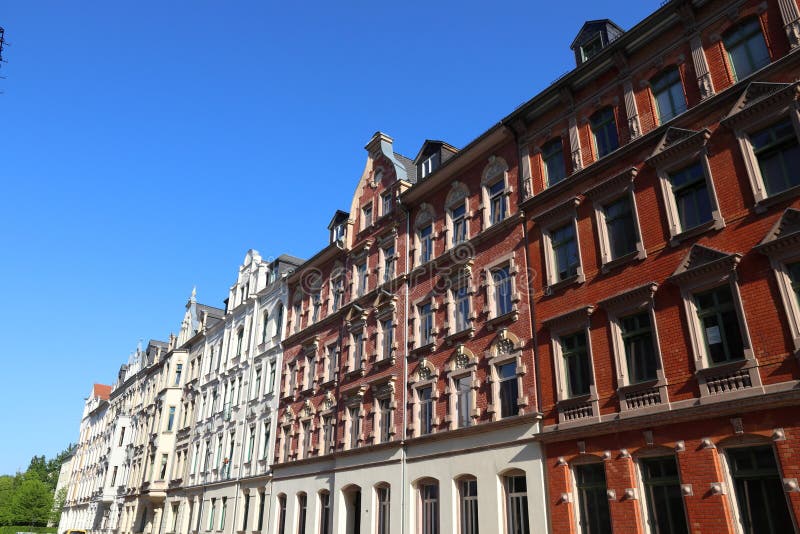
point(546, 155)
point(432, 524)
point(744, 41)
point(457, 198)
point(554, 219)
point(595, 124)
point(578, 463)
point(496, 206)
point(653, 82)
point(467, 504)
point(509, 497)
point(506, 349)
point(424, 219)
point(383, 508)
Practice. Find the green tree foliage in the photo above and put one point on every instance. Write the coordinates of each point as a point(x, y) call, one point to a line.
point(27, 499)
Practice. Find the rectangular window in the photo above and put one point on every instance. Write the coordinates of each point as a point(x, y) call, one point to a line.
point(458, 217)
point(576, 364)
point(246, 511)
point(174, 518)
point(324, 513)
point(662, 488)
point(311, 371)
point(362, 278)
point(425, 410)
point(386, 203)
point(640, 353)
point(501, 279)
point(620, 227)
point(461, 297)
point(425, 324)
point(604, 132)
point(261, 505)
point(171, 418)
point(385, 411)
point(590, 482)
point(464, 401)
point(355, 426)
point(264, 327)
point(162, 474)
point(282, 514)
point(251, 442)
point(329, 432)
point(121, 436)
point(565, 252)
point(178, 372)
point(222, 513)
point(668, 94)
point(778, 154)
point(337, 293)
point(366, 214)
point(264, 439)
point(358, 350)
point(287, 444)
point(316, 304)
point(333, 362)
point(720, 325)
point(747, 50)
point(553, 160)
point(306, 439)
point(426, 243)
point(468, 495)
point(429, 495)
point(114, 476)
point(387, 338)
point(388, 264)
point(759, 492)
point(384, 526)
point(497, 201)
point(302, 503)
point(692, 200)
point(210, 515)
point(517, 505)
point(256, 384)
point(509, 389)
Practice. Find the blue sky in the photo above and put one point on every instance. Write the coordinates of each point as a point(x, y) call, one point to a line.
point(148, 145)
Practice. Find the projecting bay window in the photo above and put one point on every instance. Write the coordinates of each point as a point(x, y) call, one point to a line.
point(662, 488)
point(590, 485)
point(553, 162)
point(616, 219)
point(761, 504)
point(562, 258)
point(746, 48)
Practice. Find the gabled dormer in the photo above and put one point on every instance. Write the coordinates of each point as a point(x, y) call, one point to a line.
point(338, 227)
point(594, 36)
point(431, 156)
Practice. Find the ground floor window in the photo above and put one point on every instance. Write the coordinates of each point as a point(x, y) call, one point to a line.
point(590, 481)
point(517, 505)
point(759, 492)
point(662, 488)
point(468, 493)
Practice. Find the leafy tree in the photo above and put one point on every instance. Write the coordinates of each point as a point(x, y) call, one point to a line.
point(32, 503)
point(7, 487)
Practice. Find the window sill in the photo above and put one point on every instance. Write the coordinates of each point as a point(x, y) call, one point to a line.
point(466, 333)
point(357, 373)
point(558, 286)
point(622, 260)
point(713, 224)
point(384, 362)
point(428, 347)
point(509, 317)
point(764, 204)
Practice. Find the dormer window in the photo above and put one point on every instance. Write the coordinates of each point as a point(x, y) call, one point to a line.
point(429, 165)
point(595, 35)
point(592, 48)
point(338, 233)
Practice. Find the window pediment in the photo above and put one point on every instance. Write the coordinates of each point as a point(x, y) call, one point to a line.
point(496, 167)
point(425, 215)
point(632, 298)
point(458, 193)
point(504, 344)
point(308, 410)
point(425, 371)
point(565, 210)
point(783, 234)
point(704, 261)
point(288, 415)
point(355, 396)
point(385, 389)
point(759, 97)
point(677, 142)
point(356, 317)
point(612, 186)
point(572, 320)
point(462, 359)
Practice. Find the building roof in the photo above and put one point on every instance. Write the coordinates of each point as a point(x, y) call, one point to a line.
point(411, 169)
point(101, 390)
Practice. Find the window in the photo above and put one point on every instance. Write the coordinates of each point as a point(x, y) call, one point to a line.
point(759, 493)
point(296, 312)
point(264, 327)
point(239, 341)
point(174, 517)
point(210, 515)
point(458, 220)
point(517, 505)
point(311, 370)
point(325, 513)
point(425, 324)
point(271, 377)
point(464, 401)
point(387, 338)
point(337, 288)
point(114, 476)
point(306, 439)
point(386, 203)
point(429, 165)
point(564, 245)
point(604, 132)
point(425, 235)
point(591, 48)
point(501, 280)
point(302, 502)
point(576, 364)
point(333, 362)
point(640, 354)
point(385, 414)
point(355, 426)
point(287, 444)
point(668, 94)
point(121, 436)
point(747, 50)
point(256, 384)
point(620, 227)
point(425, 410)
point(388, 264)
point(590, 483)
point(662, 488)
point(429, 497)
point(251, 442)
point(246, 511)
point(553, 161)
point(316, 304)
point(264, 439)
point(462, 308)
point(261, 505)
point(509, 390)
point(722, 334)
point(222, 513)
point(171, 418)
point(468, 506)
point(358, 350)
point(162, 474)
point(279, 321)
point(178, 371)
point(691, 196)
point(383, 496)
point(361, 279)
point(329, 434)
point(794, 275)
point(778, 154)
point(497, 201)
point(366, 216)
point(281, 514)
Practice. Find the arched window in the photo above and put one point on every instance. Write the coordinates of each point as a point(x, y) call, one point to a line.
point(457, 214)
point(428, 505)
point(746, 47)
point(590, 486)
point(515, 486)
point(423, 225)
point(467, 487)
point(382, 506)
point(279, 321)
point(325, 515)
point(495, 191)
point(302, 505)
point(352, 511)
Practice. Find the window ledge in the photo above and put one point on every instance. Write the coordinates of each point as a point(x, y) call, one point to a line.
point(764, 204)
point(558, 286)
point(466, 333)
point(622, 260)
point(713, 224)
point(357, 373)
point(427, 347)
point(509, 317)
point(381, 362)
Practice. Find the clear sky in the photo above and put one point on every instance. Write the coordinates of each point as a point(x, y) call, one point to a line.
point(147, 145)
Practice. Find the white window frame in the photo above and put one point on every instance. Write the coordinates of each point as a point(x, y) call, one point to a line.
point(495, 171)
point(554, 219)
point(383, 392)
point(490, 296)
point(456, 198)
point(425, 218)
point(417, 318)
point(506, 348)
point(607, 192)
point(461, 365)
point(424, 376)
point(367, 216)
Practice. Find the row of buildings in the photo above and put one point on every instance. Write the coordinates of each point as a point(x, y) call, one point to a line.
point(585, 321)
